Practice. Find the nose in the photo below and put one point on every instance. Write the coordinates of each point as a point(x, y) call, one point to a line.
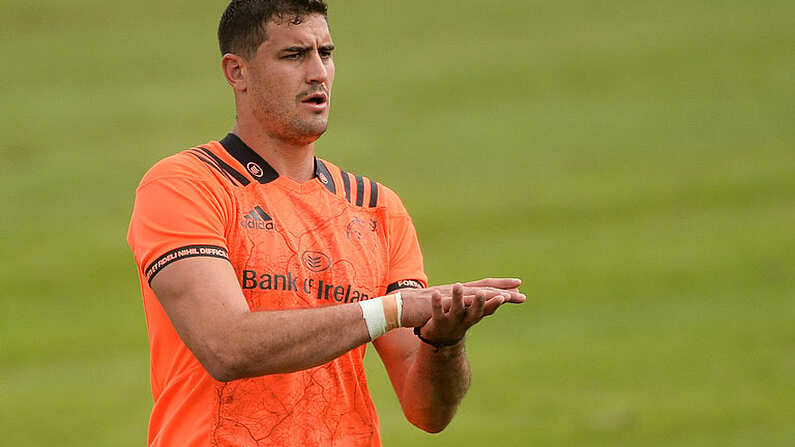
point(317, 69)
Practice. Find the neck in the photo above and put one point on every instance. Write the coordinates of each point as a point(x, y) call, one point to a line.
point(296, 162)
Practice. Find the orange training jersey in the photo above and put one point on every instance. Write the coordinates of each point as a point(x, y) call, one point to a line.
point(339, 238)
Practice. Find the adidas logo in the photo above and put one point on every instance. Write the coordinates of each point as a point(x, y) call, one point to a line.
point(257, 219)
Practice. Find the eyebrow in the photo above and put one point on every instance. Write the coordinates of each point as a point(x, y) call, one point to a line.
point(300, 49)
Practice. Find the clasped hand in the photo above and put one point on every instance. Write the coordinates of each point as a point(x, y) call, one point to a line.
point(445, 313)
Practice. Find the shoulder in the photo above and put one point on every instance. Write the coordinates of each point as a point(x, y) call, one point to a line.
point(200, 164)
point(391, 200)
point(184, 182)
point(178, 166)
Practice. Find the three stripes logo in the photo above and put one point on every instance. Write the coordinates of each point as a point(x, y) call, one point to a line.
point(257, 219)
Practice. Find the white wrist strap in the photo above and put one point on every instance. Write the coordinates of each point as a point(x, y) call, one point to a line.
point(399, 301)
point(382, 314)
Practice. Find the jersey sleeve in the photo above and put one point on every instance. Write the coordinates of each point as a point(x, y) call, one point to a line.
point(406, 266)
point(177, 214)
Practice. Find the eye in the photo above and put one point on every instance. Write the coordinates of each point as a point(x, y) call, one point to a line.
point(325, 54)
point(292, 56)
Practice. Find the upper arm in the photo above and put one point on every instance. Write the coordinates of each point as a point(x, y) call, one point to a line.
point(202, 299)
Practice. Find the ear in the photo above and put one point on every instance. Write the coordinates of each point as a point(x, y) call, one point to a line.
point(234, 68)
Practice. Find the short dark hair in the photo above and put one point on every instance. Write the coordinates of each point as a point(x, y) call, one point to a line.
point(242, 27)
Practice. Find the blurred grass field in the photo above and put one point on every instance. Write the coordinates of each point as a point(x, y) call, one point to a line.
point(632, 161)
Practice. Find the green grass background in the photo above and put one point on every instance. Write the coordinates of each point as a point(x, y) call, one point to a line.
point(632, 161)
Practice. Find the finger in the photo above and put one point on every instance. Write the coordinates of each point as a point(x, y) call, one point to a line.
point(488, 290)
point(491, 292)
point(443, 289)
point(500, 283)
point(447, 290)
point(511, 296)
point(447, 303)
point(516, 298)
point(475, 313)
point(492, 305)
point(436, 306)
point(457, 305)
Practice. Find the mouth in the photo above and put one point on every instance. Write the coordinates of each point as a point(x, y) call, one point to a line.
point(317, 99)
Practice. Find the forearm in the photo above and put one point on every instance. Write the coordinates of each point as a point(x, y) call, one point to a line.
point(434, 386)
point(214, 320)
point(273, 342)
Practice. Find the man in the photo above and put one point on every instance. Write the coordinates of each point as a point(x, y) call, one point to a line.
point(265, 271)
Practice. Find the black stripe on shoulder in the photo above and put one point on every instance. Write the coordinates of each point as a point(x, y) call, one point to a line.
point(209, 162)
point(229, 170)
point(359, 190)
point(404, 284)
point(373, 193)
point(187, 251)
point(346, 183)
point(360, 182)
point(322, 173)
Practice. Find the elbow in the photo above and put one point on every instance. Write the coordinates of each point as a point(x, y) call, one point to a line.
point(433, 429)
point(431, 425)
point(222, 373)
point(222, 362)
point(431, 417)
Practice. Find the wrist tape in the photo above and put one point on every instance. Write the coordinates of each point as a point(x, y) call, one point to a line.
point(382, 314)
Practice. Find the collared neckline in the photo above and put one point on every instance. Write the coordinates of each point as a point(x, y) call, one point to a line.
point(260, 170)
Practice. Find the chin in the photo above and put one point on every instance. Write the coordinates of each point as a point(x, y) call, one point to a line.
point(312, 130)
point(307, 135)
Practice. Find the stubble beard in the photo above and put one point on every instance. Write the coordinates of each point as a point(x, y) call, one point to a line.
point(291, 127)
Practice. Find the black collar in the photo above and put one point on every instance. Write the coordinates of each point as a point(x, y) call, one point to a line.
point(260, 170)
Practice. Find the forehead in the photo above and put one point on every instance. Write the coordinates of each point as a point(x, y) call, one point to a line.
point(313, 30)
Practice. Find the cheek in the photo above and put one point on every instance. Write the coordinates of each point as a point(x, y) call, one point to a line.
point(271, 95)
point(270, 84)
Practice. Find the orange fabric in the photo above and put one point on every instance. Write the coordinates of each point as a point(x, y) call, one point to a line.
point(292, 246)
